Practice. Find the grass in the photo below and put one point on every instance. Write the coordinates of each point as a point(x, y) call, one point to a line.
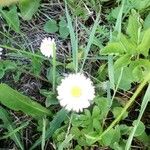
point(74, 39)
point(90, 36)
point(43, 134)
point(144, 104)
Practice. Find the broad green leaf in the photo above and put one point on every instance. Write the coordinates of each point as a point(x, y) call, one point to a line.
point(144, 46)
point(51, 100)
point(140, 4)
point(65, 143)
point(115, 12)
point(49, 75)
point(107, 138)
point(134, 26)
point(144, 138)
point(78, 147)
point(137, 73)
point(122, 61)
point(111, 137)
point(52, 127)
point(117, 111)
point(28, 8)
point(140, 127)
point(18, 102)
point(103, 104)
point(51, 26)
point(6, 65)
point(113, 48)
point(145, 63)
point(147, 22)
point(8, 125)
point(128, 44)
point(50, 97)
point(116, 146)
point(124, 129)
point(96, 125)
point(76, 132)
point(12, 18)
point(117, 135)
point(90, 137)
point(139, 69)
point(95, 112)
point(81, 120)
point(63, 29)
point(126, 78)
point(64, 32)
point(36, 65)
point(62, 22)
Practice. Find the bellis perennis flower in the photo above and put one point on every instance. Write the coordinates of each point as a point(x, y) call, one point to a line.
point(75, 92)
point(1, 50)
point(47, 47)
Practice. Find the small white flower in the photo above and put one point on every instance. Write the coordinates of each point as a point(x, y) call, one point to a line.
point(47, 47)
point(1, 50)
point(75, 92)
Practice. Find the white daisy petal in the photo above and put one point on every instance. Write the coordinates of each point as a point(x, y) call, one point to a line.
point(47, 47)
point(75, 92)
point(1, 49)
point(1, 52)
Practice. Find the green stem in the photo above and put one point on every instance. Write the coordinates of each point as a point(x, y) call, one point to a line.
point(132, 99)
point(43, 133)
point(54, 68)
point(69, 126)
point(22, 51)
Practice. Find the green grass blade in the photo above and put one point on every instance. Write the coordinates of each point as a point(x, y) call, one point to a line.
point(145, 101)
point(43, 134)
point(28, 8)
point(65, 143)
point(52, 127)
point(117, 85)
point(12, 18)
point(73, 37)
point(14, 131)
point(54, 68)
point(8, 124)
point(24, 52)
point(111, 72)
point(119, 19)
point(18, 102)
point(90, 40)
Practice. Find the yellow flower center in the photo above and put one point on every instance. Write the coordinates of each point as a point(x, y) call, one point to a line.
point(76, 91)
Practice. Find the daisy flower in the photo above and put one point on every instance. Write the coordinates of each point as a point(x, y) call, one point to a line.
point(1, 51)
point(75, 92)
point(47, 47)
